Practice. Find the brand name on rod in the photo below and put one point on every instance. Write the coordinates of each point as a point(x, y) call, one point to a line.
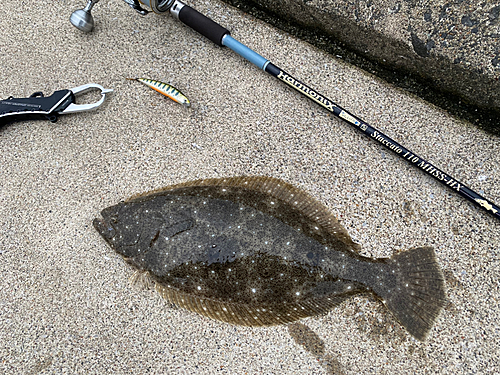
point(306, 91)
point(394, 147)
point(422, 164)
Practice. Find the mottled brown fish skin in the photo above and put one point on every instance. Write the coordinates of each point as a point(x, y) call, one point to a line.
point(257, 251)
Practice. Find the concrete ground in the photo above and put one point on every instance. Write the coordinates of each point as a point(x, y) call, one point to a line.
point(66, 305)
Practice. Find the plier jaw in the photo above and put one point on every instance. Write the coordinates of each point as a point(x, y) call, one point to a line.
point(73, 108)
point(39, 106)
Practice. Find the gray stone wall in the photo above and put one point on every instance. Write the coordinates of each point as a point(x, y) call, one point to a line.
point(455, 44)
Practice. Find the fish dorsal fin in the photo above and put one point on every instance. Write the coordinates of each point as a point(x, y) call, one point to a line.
point(272, 196)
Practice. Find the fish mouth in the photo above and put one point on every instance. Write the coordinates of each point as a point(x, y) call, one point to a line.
point(107, 231)
point(105, 225)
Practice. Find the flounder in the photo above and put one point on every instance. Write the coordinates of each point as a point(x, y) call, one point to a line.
point(257, 251)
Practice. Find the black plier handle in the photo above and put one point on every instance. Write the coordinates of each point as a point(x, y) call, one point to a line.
point(49, 107)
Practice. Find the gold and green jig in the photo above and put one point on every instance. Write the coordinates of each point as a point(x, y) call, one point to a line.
point(165, 89)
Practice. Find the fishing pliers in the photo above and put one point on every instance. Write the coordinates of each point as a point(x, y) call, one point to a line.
point(40, 106)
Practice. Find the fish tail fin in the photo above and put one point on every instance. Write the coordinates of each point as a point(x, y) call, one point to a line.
point(419, 293)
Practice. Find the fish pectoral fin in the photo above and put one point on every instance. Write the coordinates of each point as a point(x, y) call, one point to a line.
point(178, 227)
point(167, 232)
point(142, 279)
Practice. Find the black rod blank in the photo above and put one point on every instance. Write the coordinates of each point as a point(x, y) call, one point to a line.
point(220, 36)
point(384, 140)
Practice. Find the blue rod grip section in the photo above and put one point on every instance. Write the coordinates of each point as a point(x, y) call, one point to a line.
point(244, 51)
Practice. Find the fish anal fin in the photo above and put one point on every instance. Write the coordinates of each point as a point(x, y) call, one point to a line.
point(247, 314)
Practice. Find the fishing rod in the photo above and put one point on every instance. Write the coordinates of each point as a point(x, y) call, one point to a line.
point(83, 20)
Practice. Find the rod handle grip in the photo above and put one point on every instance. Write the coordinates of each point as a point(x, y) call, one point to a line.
point(202, 24)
